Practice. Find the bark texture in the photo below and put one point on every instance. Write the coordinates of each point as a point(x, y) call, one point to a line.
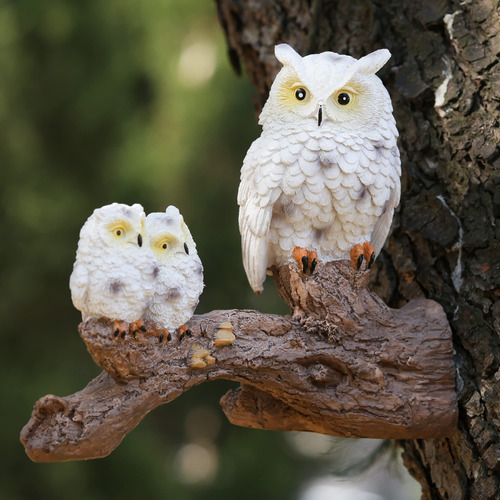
point(342, 364)
point(444, 78)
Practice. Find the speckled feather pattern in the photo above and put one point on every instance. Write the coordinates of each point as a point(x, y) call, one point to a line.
point(320, 187)
point(112, 276)
point(179, 275)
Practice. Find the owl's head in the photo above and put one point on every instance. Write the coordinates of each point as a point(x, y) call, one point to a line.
point(327, 87)
point(115, 226)
point(168, 235)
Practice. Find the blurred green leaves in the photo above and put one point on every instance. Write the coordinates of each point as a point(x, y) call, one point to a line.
point(104, 101)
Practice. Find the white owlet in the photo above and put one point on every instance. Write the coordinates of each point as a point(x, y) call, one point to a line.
point(113, 273)
point(323, 179)
point(179, 272)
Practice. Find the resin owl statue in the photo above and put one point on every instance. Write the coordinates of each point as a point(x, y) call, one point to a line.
point(323, 179)
point(179, 272)
point(113, 273)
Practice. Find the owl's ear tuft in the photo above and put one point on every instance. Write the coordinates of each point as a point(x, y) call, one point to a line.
point(173, 211)
point(372, 62)
point(137, 206)
point(286, 55)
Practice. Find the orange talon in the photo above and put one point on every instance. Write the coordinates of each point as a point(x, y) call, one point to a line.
point(306, 259)
point(369, 253)
point(360, 253)
point(357, 256)
point(119, 328)
point(313, 259)
point(165, 334)
point(184, 331)
point(137, 325)
point(300, 255)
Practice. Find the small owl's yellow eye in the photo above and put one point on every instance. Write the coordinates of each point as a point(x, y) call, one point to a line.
point(120, 229)
point(162, 244)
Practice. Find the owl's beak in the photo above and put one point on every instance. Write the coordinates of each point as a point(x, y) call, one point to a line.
point(320, 115)
point(139, 240)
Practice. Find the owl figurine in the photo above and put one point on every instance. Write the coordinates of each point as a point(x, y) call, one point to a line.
point(113, 272)
point(323, 179)
point(179, 272)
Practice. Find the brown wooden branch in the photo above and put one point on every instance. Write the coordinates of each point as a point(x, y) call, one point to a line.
point(342, 364)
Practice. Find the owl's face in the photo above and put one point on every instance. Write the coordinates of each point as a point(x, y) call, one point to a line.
point(327, 88)
point(115, 226)
point(168, 236)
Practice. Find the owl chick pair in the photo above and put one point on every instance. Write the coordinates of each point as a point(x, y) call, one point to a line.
point(132, 268)
point(323, 179)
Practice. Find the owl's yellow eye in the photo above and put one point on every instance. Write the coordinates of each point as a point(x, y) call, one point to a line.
point(300, 94)
point(343, 98)
point(292, 92)
point(163, 243)
point(120, 229)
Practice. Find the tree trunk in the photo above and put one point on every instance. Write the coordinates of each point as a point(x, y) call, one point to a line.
point(444, 79)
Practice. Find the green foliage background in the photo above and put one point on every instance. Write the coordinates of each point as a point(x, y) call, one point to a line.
point(134, 102)
point(93, 110)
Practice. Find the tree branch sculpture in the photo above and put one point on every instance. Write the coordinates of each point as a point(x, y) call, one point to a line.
point(342, 364)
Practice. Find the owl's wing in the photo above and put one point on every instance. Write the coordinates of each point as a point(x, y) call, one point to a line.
point(78, 284)
point(383, 224)
point(259, 189)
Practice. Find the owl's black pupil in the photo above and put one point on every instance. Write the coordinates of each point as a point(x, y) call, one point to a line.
point(118, 232)
point(164, 245)
point(344, 98)
point(300, 94)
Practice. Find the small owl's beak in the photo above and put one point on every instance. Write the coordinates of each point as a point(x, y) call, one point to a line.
point(320, 115)
point(139, 240)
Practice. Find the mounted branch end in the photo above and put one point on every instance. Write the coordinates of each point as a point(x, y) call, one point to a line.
point(342, 364)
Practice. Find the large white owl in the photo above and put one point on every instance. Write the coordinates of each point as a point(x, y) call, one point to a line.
point(323, 179)
point(113, 272)
point(179, 272)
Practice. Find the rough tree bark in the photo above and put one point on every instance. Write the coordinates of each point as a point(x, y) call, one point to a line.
point(444, 78)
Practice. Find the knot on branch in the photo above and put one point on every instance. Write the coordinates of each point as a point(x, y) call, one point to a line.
point(342, 364)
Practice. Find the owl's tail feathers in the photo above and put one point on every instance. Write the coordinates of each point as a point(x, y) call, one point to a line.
point(255, 261)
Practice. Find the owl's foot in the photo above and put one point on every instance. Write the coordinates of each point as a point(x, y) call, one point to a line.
point(184, 331)
point(361, 253)
point(137, 326)
point(306, 259)
point(119, 328)
point(165, 335)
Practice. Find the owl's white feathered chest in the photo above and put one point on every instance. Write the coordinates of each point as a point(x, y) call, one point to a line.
point(178, 287)
point(111, 282)
point(330, 188)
